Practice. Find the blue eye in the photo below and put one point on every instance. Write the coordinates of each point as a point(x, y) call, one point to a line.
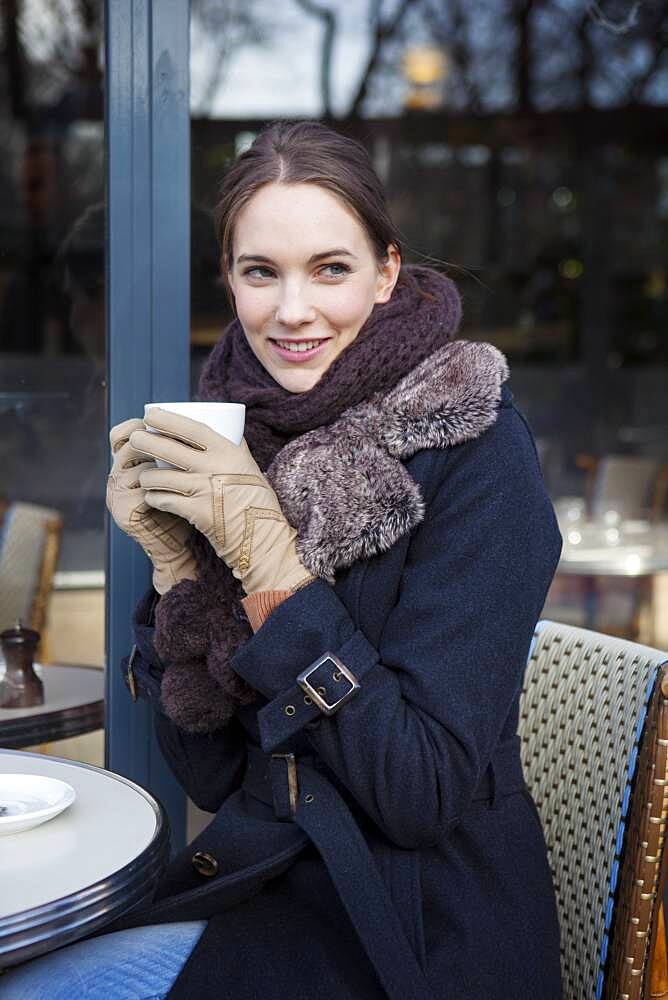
point(343, 269)
point(255, 272)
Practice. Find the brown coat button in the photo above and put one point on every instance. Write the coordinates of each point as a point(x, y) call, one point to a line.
point(204, 863)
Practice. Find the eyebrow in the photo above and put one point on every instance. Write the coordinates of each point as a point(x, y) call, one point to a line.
point(336, 252)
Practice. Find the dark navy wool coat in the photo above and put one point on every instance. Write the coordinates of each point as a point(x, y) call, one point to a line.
point(410, 862)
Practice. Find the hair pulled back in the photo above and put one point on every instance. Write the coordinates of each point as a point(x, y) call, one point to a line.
point(305, 153)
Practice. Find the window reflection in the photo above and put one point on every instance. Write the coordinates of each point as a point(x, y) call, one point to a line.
point(515, 157)
point(52, 326)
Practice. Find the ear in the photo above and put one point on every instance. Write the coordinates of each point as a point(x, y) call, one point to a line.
point(388, 274)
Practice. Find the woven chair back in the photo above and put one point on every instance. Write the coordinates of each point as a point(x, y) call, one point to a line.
point(589, 713)
point(29, 542)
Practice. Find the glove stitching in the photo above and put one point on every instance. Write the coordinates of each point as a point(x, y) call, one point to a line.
point(218, 500)
point(251, 515)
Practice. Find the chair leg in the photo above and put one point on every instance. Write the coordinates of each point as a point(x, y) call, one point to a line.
point(658, 973)
point(591, 602)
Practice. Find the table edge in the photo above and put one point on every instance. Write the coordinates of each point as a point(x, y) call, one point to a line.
point(77, 915)
point(47, 727)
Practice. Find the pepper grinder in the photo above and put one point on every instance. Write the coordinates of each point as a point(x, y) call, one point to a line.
point(20, 686)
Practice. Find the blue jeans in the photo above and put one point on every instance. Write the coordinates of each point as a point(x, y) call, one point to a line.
point(140, 963)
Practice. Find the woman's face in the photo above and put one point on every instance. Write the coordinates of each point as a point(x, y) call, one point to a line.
point(304, 278)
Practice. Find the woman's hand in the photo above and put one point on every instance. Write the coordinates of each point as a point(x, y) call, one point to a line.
point(162, 536)
point(223, 493)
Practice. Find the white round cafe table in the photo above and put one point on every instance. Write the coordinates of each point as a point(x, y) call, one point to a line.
point(73, 705)
point(641, 555)
point(75, 873)
point(642, 552)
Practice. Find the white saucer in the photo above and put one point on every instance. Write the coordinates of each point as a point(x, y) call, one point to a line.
point(31, 799)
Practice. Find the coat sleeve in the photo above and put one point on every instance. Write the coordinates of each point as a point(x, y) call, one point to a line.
point(412, 742)
point(208, 766)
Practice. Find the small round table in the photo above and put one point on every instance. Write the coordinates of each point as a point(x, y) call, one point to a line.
point(74, 874)
point(73, 704)
point(641, 555)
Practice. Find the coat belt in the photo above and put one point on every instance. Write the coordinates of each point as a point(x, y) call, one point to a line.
point(300, 793)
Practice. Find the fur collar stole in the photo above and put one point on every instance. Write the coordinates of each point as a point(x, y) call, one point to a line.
point(344, 487)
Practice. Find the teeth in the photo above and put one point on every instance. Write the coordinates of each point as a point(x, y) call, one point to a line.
point(307, 345)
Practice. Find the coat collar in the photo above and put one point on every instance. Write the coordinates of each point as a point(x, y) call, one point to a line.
point(345, 488)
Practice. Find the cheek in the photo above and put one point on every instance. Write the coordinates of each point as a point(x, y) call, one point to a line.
point(348, 309)
point(254, 307)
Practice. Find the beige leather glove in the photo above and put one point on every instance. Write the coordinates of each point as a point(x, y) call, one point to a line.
point(162, 536)
point(222, 491)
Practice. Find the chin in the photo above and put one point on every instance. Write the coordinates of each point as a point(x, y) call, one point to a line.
point(298, 381)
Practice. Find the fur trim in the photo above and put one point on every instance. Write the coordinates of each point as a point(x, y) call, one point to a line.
point(342, 487)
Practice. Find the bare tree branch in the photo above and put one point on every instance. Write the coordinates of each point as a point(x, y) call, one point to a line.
point(15, 58)
point(523, 54)
point(586, 60)
point(616, 27)
point(328, 18)
point(381, 35)
point(90, 16)
point(233, 25)
point(459, 51)
point(637, 88)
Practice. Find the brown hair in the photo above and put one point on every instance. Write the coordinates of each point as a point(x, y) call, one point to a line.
point(305, 153)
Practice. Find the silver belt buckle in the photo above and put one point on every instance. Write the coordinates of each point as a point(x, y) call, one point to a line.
point(317, 694)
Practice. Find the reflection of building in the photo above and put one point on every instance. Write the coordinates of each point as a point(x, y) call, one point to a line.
point(52, 324)
point(552, 222)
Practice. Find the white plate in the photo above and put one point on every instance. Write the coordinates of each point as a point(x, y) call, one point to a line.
point(31, 799)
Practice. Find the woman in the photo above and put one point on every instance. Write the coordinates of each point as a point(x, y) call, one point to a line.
point(340, 616)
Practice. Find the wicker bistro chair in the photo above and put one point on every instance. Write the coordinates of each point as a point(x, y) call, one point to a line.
point(30, 537)
point(594, 734)
point(639, 482)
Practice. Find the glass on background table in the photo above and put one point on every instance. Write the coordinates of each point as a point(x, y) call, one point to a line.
point(611, 550)
point(79, 871)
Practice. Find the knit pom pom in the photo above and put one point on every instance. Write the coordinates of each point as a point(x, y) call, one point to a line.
point(178, 622)
point(227, 635)
point(199, 625)
point(192, 698)
point(235, 687)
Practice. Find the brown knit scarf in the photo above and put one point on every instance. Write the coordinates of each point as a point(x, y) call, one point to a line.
point(200, 624)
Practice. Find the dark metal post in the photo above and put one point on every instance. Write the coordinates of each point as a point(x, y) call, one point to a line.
point(148, 314)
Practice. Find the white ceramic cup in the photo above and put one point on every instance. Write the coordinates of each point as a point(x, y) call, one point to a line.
point(227, 419)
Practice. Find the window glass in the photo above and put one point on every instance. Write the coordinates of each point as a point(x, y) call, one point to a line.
point(523, 150)
point(53, 434)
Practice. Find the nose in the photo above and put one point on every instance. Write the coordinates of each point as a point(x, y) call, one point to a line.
point(293, 308)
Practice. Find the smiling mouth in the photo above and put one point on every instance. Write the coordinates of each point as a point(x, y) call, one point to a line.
point(299, 350)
